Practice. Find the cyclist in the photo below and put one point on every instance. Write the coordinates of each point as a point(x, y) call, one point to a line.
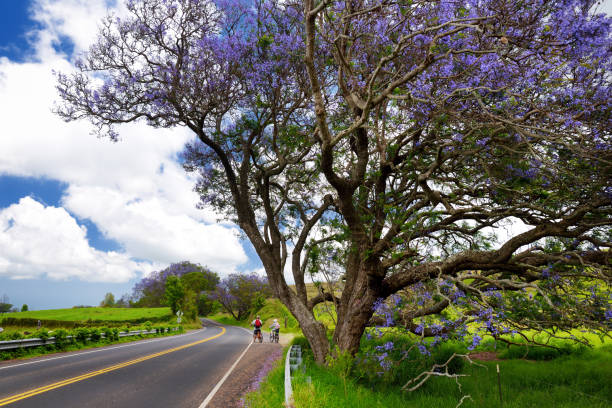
point(275, 327)
point(257, 332)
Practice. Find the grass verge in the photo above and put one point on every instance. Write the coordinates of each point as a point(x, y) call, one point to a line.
point(271, 392)
point(570, 381)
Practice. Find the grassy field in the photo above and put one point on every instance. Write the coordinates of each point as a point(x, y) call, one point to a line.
point(94, 313)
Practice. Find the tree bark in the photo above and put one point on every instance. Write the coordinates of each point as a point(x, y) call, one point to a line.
point(354, 312)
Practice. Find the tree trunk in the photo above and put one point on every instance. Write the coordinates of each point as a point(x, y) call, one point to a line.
point(356, 305)
point(313, 330)
point(352, 321)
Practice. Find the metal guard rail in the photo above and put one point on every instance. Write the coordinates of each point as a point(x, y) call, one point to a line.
point(35, 342)
point(292, 362)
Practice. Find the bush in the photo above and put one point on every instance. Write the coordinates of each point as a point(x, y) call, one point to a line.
point(82, 335)
point(148, 325)
point(108, 333)
point(42, 334)
point(61, 338)
point(16, 336)
point(94, 334)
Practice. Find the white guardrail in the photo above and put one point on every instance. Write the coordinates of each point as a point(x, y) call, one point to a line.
point(292, 362)
point(34, 342)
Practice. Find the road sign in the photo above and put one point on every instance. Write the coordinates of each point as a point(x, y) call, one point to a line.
point(178, 316)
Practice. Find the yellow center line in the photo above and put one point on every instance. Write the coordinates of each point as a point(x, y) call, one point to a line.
point(40, 390)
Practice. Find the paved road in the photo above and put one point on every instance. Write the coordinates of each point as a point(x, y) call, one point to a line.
point(178, 371)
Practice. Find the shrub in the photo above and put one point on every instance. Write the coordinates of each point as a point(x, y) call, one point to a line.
point(43, 334)
point(82, 335)
point(148, 325)
point(108, 333)
point(61, 338)
point(16, 336)
point(94, 334)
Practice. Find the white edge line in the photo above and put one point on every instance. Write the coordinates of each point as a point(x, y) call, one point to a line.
point(131, 344)
point(220, 383)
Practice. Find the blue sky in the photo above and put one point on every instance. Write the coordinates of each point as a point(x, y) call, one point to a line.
point(82, 216)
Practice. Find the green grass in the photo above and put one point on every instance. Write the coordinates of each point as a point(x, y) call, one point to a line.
point(94, 313)
point(271, 393)
point(572, 381)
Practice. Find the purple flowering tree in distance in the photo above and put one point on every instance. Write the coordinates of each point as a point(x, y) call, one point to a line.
point(238, 293)
point(149, 291)
point(390, 138)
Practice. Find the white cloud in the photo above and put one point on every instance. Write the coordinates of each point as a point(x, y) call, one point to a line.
point(134, 190)
point(39, 241)
point(150, 228)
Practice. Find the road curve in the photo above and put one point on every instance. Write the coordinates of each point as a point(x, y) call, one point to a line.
point(177, 371)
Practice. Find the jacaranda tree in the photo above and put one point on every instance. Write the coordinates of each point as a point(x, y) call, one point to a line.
point(150, 290)
point(388, 142)
point(241, 294)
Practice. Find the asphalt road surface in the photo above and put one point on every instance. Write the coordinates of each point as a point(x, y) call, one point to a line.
point(177, 371)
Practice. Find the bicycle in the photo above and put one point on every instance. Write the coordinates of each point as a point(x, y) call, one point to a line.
point(257, 336)
point(273, 336)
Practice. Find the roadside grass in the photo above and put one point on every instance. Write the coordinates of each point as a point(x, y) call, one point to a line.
point(570, 381)
point(271, 392)
point(580, 379)
point(79, 340)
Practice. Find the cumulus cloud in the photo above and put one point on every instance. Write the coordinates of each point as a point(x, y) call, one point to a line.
point(153, 228)
point(135, 191)
point(40, 241)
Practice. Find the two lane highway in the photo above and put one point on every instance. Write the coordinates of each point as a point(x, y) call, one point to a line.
point(177, 371)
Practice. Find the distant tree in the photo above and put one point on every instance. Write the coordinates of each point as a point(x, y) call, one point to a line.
point(24, 308)
point(174, 293)
point(149, 292)
point(238, 294)
point(108, 301)
point(124, 301)
point(5, 306)
point(206, 305)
